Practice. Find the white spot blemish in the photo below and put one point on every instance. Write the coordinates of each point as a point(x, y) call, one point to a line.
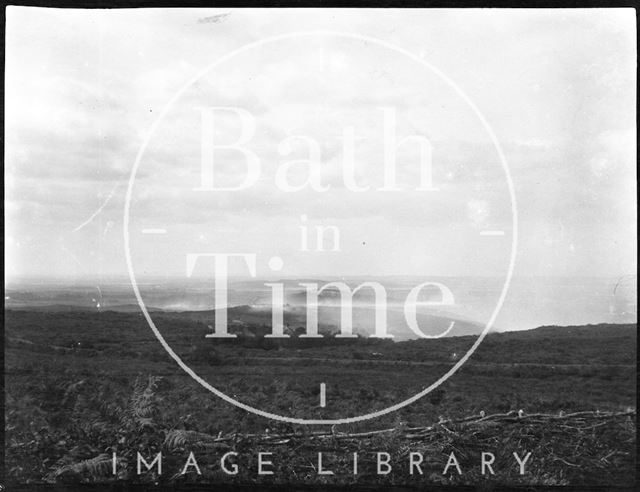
point(478, 212)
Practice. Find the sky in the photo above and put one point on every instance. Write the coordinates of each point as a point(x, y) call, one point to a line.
point(84, 88)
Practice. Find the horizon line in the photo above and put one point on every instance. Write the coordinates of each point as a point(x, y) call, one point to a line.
point(316, 276)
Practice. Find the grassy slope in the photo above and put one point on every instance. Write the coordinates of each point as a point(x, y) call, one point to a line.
point(58, 398)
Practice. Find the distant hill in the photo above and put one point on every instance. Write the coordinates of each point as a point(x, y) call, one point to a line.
point(590, 344)
point(53, 308)
point(247, 319)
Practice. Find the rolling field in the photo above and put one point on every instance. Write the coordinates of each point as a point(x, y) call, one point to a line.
point(79, 384)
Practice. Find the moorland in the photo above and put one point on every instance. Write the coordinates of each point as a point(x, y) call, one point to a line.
point(80, 383)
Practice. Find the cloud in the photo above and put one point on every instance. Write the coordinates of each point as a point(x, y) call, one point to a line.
point(84, 87)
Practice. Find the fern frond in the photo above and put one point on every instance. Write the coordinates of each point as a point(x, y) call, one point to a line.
point(92, 468)
point(143, 406)
point(178, 438)
point(71, 392)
